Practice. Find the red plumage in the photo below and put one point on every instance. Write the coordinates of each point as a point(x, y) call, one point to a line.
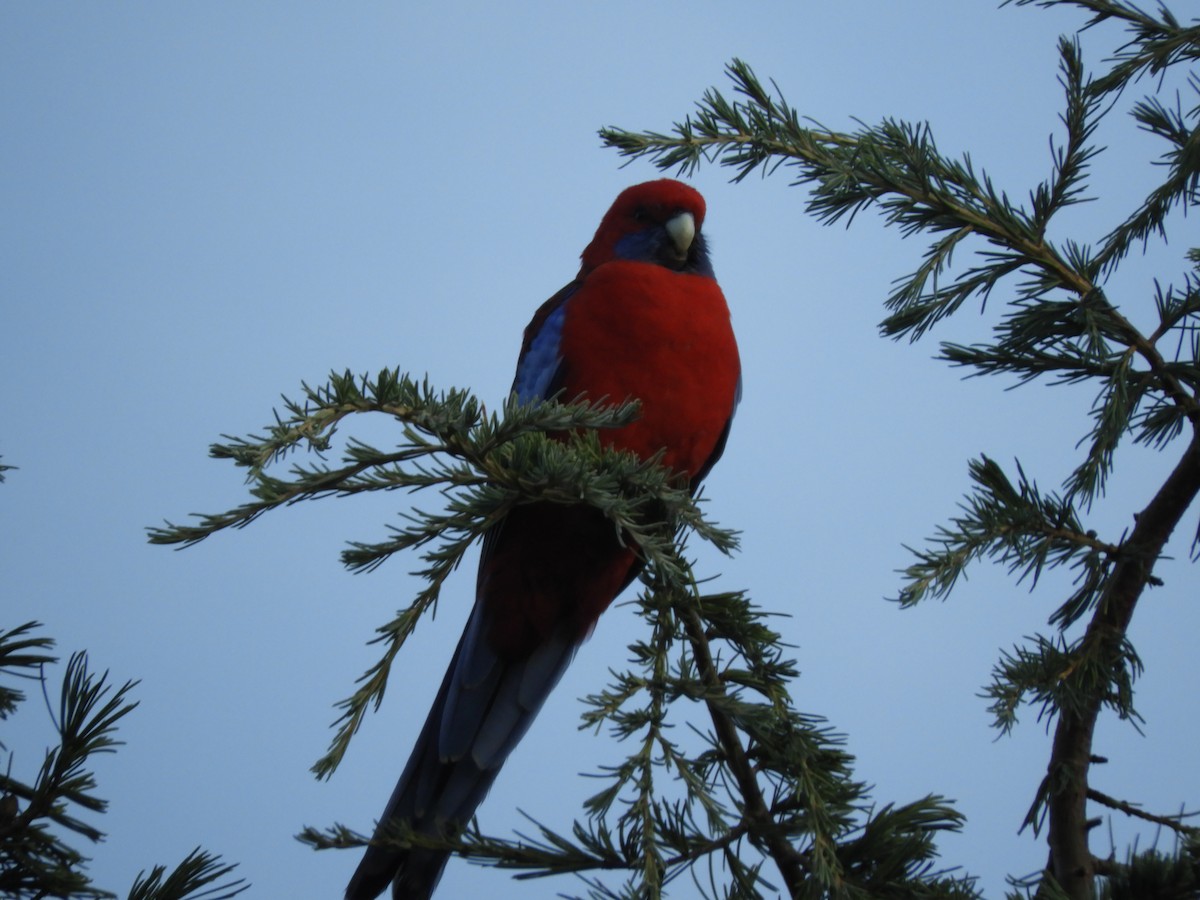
point(643, 331)
point(644, 319)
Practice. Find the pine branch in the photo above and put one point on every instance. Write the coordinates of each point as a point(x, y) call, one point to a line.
point(481, 466)
point(1178, 190)
point(897, 167)
point(87, 719)
point(761, 824)
point(1155, 44)
point(791, 794)
point(1151, 874)
point(451, 424)
point(1058, 324)
point(795, 799)
point(35, 860)
point(1175, 822)
point(767, 777)
point(20, 651)
point(1017, 526)
point(193, 879)
point(1103, 644)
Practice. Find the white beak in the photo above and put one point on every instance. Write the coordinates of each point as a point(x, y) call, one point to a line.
point(682, 229)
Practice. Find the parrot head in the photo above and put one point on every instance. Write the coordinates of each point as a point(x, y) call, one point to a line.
point(655, 222)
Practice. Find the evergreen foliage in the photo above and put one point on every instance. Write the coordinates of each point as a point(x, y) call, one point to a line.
point(1058, 323)
point(38, 819)
point(760, 781)
point(755, 797)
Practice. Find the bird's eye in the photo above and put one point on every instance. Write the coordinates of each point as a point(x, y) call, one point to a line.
point(641, 214)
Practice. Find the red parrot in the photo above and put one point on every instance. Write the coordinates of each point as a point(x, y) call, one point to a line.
point(643, 319)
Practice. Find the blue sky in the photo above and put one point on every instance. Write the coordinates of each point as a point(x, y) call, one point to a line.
point(206, 204)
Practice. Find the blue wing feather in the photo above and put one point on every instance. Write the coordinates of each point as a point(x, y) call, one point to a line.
point(539, 365)
point(537, 368)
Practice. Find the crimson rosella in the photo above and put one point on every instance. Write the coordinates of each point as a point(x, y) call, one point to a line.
point(644, 319)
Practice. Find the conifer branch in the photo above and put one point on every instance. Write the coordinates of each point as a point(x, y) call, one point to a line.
point(761, 825)
point(482, 466)
point(1174, 822)
point(192, 879)
point(35, 859)
point(1103, 647)
point(1155, 43)
point(1058, 323)
point(86, 720)
point(790, 793)
point(897, 167)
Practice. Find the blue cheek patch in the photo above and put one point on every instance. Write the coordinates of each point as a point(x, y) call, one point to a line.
point(638, 246)
point(646, 245)
point(537, 367)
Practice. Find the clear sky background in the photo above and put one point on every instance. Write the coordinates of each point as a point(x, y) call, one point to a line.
point(205, 204)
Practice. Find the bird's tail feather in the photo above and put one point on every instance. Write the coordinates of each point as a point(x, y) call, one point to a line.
point(438, 792)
